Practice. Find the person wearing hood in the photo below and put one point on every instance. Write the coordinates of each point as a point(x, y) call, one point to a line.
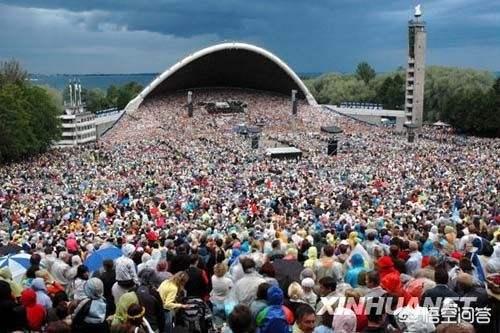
point(275, 318)
point(38, 285)
point(90, 314)
point(150, 299)
point(72, 244)
point(145, 295)
point(392, 284)
point(125, 273)
point(312, 255)
point(428, 249)
point(493, 264)
point(309, 295)
point(358, 265)
point(155, 258)
point(61, 270)
point(344, 321)
point(385, 266)
point(35, 313)
point(246, 288)
point(434, 234)
point(144, 262)
point(108, 277)
point(6, 275)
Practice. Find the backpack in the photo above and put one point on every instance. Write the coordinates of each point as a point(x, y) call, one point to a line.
point(274, 319)
point(81, 311)
point(197, 318)
point(486, 248)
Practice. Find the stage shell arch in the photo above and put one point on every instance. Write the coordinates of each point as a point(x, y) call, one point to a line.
point(238, 65)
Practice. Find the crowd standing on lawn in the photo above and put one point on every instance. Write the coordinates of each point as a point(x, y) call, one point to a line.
point(169, 217)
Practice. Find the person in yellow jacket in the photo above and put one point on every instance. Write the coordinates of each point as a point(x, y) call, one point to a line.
point(169, 291)
point(6, 275)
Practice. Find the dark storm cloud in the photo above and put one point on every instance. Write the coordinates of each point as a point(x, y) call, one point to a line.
point(321, 35)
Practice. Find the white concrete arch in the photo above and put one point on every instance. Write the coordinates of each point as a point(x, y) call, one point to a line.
point(136, 102)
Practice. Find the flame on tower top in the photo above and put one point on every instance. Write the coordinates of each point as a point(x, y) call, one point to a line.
point(418, 11)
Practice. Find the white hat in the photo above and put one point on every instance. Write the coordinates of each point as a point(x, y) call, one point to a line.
point(307, 283)
point(128, 249)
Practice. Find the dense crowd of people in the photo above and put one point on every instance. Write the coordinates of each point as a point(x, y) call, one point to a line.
point(215, 236)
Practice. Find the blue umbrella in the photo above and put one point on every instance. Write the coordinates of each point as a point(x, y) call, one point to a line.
point(17, 264)
point(94, 261)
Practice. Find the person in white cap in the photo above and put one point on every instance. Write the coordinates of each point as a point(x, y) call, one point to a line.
point(126, 274)
point(309, 296)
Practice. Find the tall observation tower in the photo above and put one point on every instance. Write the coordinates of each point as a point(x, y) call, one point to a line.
point(415, 73)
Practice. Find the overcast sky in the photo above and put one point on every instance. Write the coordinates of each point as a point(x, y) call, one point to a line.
point(132, 36)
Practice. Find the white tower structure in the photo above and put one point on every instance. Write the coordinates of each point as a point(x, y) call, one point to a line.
point(415, 73)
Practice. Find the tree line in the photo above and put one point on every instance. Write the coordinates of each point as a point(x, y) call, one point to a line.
point(467, 99)
point(29, 120)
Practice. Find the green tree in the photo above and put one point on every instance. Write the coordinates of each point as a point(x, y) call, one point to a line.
point(466, 98)
point(44, 117)
point(365, 72)
point(96, 100)
point(56, 97)
point(337, 88)
point(29, 121)
point(12, 72)
point(496, 93)
point(442, 84)
point(391, 93)
point(16, 134)
point(112, 94)
point(126, 93)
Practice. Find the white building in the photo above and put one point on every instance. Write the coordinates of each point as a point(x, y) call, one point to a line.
point(78, 125)
point(77, 128)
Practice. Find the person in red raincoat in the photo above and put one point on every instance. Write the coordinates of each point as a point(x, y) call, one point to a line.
point(35, 313)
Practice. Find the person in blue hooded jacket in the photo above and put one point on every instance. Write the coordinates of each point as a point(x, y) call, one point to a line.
point(428, 249)
point(357, 266)
point(275, 318)
point(42, 297)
